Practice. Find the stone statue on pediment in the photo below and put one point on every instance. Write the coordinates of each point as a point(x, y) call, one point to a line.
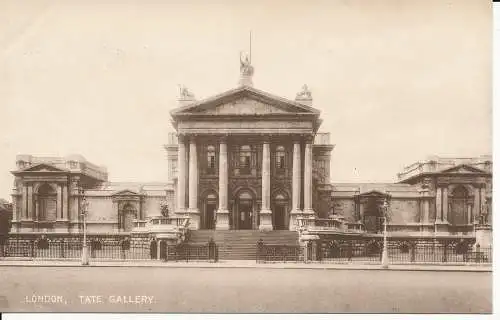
point(305, 93)
point(185, 94)
point(246, 68)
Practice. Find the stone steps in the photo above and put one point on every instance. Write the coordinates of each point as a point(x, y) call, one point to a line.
point(242, 244)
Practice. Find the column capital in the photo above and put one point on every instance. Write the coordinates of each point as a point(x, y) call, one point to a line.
point(222, 138)
point(309, 138)
point(181, 137)
point(266, 139)
point(192, 138)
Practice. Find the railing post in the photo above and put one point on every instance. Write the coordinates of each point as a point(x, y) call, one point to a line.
point(478, 253)
point(413, 246)
point(211, 250)
point(62, 249)
point(32, 244)
point(445, 252)
point(260, 249)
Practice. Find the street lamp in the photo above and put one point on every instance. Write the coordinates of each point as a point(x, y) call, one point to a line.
point(385, 256)
point(85, 255)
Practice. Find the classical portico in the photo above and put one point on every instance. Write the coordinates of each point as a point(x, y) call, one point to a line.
point(251, 151)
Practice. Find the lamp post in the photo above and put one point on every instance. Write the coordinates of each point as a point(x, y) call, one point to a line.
point(85, 255)
point(385, 257)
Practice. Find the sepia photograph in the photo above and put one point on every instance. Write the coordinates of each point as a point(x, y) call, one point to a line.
point(246, 157)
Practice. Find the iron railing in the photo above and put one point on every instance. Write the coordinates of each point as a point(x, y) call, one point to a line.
point(190, 252)
point(278, 253)
point(402, 252)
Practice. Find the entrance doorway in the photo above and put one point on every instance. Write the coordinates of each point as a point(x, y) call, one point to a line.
point(244, 211)
point(279, 217)
point(210, 211)
point(279, 212)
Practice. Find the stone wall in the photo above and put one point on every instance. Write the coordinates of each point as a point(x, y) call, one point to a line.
point(345, 208)
point(403, 211)
point(101, 209)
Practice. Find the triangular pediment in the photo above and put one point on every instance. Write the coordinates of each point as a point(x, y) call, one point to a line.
point(126, 193)
point(42, 167)
point(465, 169)
point(245, 101)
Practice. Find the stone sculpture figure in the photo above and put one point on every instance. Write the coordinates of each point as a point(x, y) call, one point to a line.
point(246, 68)
point(305, 93)
point(185, 94)
point(483, 218)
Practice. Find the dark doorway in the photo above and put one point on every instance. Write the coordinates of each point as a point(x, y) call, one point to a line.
point(279, 217)
point(210, 212)
point(210, 216)
point(245, 215)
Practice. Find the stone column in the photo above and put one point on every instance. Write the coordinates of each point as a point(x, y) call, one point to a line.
point(361, 208)
point(181, 176)
point(483, 199)
point(295, 186)
point(426, 210)
point(24, 203)
point(59, 202)
point(30, 202)
point(445, 204)
point(308, 160)
point(158, 249)
point(65, 202)
point(194, 212)
point(37, 208)
point(469, 213)
point(222, 221)
point(265, 212)
point(477, 203)
point(438, 204)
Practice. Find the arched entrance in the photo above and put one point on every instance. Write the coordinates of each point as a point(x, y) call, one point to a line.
point(244, 211)
point(280, 209)
point(47, 203)
point(459, 204)
point(209, 211)
point(129, 214)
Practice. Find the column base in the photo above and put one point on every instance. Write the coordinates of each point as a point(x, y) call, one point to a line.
point(292, 225)
point(308, 213)
point(266, 221)
point(484, 236)
point(222, 220)
point(194, 219)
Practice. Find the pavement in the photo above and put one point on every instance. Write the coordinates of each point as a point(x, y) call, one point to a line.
point(250, 264)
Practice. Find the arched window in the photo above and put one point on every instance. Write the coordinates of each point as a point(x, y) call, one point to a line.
point(280, 162)
point(211, 159)
point(459, 206)
point(129, 213)
point(245, 161)
point(46, 207)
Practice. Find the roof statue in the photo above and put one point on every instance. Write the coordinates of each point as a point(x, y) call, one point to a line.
point(185, 94)
point(246, 68)
point(304, 94)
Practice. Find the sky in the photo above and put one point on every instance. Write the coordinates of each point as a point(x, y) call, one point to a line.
point(395, 81)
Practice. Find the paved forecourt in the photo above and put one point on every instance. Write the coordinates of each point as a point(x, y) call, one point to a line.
point(158, 289)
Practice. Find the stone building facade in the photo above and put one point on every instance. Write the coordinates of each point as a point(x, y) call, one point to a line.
point(248, 159)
